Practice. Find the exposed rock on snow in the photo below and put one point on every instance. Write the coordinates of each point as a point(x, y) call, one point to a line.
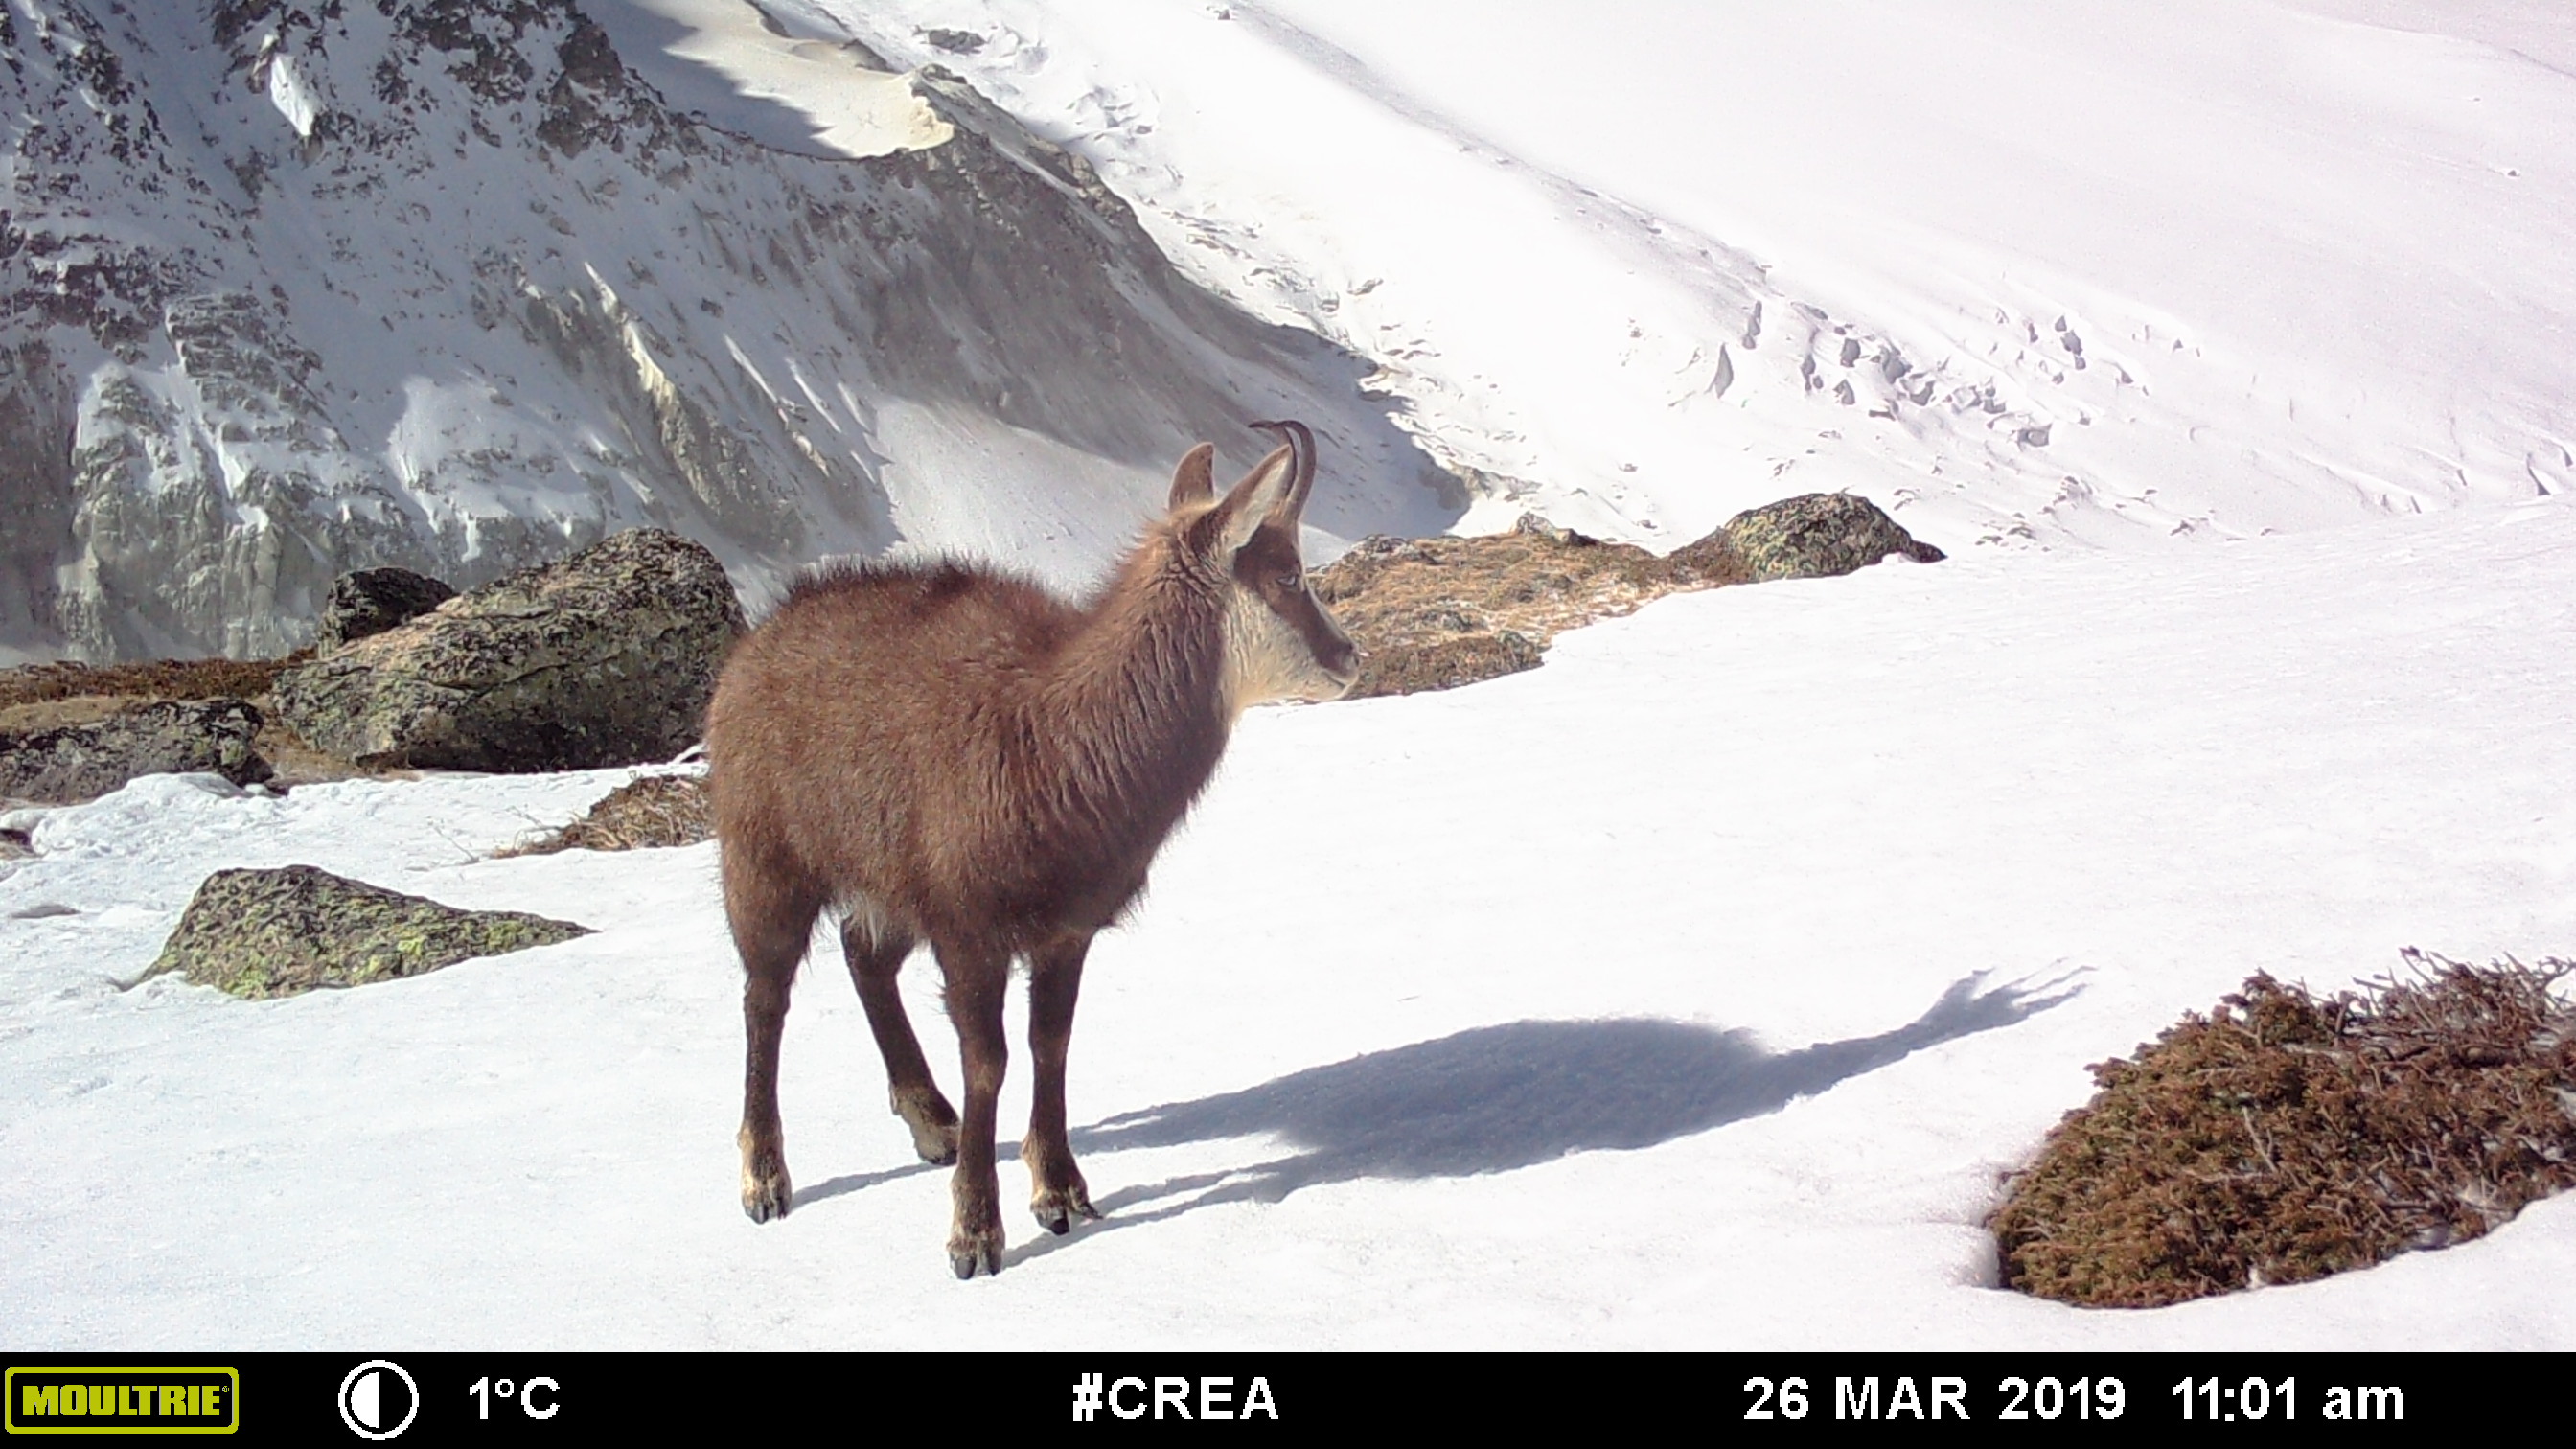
point(81, 762)
point(262, 933)
point(292, 287)
point(1436, 613)
point(603, 658)
point(370, 601)
point(1818, 535)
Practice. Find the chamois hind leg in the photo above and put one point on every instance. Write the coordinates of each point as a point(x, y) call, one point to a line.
point(876, 952)
point(771, 917)
point(979, 974)
point(1057, 1193)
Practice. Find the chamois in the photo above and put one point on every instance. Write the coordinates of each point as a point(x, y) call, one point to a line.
point(938, 752)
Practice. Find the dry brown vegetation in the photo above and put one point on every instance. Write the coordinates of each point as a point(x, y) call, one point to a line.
point(39, 697)
point(1435, 613)
point(2284, 1137)
point(157, 679)
point(655, 811)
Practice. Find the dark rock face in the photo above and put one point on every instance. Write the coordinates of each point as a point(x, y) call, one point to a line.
point(261, 933)
point(82, 762)
point(370, 601)
point(1818, 535)
point(193, 443)
point(606, 657)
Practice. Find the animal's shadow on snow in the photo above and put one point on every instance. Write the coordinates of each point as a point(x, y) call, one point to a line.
point(1501, 1097)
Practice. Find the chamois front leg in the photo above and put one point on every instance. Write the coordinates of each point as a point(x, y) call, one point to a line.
point(874, 959)
point(1057, 1193)
point(978, 978)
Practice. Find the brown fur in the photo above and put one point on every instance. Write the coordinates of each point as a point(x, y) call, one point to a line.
point(942, 753)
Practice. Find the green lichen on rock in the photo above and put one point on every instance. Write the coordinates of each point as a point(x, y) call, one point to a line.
point(262, 933)
point(603, 658)
point(1819, 535)
point(82, 762)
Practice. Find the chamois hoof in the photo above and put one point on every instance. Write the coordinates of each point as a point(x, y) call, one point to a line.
point(966, 1256)
point(934, 1126)
point(766, 1192)
point(1056, 1208)
point(937, 1145)
point(767, 1197)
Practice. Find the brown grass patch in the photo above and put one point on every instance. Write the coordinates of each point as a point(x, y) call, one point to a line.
point(2284, 1137)
point(153, 679)
point(646, 814)
point(1435, 613)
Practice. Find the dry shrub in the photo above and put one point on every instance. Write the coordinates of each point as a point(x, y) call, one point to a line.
point(2283, 1137)
point(645, 814)
point(154, 679)
point(1436, 613)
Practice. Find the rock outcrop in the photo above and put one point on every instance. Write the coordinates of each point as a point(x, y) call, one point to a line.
point(606, 657)
point(370, 601)
point(1817, 535)
point(84, 761)
point(291, 287)
point(1436, 613)
point(262, 933)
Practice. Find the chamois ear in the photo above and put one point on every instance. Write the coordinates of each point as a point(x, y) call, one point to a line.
point(1251, 502)
point(1194, 481)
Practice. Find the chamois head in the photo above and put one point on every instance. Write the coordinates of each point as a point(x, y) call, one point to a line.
point(1279, 641)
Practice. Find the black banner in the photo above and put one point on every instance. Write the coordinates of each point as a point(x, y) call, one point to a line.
point(540, 1397)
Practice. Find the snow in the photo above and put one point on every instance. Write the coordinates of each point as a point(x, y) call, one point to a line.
point(726, 64)
point(294, 97)
point(2313, 262)
point(1694, 991)
point(1649, 999)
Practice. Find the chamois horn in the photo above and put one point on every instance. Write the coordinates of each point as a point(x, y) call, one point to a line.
point(1301, 444)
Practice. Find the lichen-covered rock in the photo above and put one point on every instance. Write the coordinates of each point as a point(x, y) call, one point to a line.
point(1818, 535)
point(606, 657)
point(81, 762)
point(370, 601)
point(261, 933)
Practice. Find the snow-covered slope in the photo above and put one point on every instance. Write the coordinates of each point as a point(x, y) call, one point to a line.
point(2102, 272)
point(1601, 1010)
point(294, 286)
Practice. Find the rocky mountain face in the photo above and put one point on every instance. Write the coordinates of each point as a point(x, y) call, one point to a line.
point(293, 287)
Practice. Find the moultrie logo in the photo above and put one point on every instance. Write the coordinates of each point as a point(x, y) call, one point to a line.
point(124, 1400)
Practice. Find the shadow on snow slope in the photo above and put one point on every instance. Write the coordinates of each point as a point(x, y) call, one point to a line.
point(1500, 1097)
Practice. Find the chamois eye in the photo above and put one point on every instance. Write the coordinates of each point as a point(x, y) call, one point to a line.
point(1291, 583)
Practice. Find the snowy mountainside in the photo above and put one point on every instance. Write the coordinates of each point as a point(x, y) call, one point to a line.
point(2030, 275)
point(295, 286)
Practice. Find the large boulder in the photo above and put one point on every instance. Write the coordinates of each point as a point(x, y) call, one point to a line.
point(370, 601)
point(83, 761)
point(261, 933)
point(1816, 535)
point(606, 657)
